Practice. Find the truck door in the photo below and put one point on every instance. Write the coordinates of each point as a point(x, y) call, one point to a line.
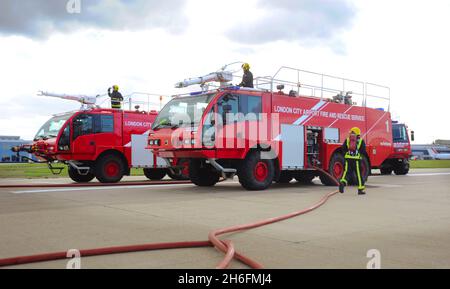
point(83, 142)
point(228, 108)
point(104, 132)
point(241, 116)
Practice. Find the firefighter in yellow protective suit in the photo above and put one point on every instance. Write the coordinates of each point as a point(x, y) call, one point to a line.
point(247, 78)
point(116, 97)
point(354, 148)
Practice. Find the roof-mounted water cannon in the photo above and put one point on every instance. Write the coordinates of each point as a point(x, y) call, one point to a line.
point(224, 77)
point(86, 101)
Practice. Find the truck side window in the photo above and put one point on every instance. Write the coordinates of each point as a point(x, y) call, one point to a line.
point(228, 108)
point(83, 125)
point(64, 140)
point(250, 106)
point(104, 123)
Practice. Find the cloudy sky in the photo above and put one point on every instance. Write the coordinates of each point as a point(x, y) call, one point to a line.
point(148, 45)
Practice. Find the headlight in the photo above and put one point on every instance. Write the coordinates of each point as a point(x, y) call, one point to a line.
point(154, 142)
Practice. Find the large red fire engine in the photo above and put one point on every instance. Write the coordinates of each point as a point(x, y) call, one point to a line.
point(100, 142)
point(290, 134)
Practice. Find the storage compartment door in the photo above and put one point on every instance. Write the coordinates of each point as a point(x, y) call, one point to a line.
point(293, 138)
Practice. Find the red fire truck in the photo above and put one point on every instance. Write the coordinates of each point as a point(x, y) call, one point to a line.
point(102, 143)
point(290, 132)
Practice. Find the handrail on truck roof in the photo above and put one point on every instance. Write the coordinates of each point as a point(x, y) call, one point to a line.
point(358, 88)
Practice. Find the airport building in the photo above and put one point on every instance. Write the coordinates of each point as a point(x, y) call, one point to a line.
point(6, 155)
point(430, 151)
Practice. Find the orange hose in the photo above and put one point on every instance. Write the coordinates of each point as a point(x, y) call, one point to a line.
point(226, 247)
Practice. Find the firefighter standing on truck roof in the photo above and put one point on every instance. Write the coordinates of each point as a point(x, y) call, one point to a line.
point(354, 148)
point(116, 97)
point(247, 78)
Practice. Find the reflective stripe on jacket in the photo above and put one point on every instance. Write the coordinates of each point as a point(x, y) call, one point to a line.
point(356, 155)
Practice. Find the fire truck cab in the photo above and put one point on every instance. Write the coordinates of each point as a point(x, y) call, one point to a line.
point(264, 135)
point(398, 160)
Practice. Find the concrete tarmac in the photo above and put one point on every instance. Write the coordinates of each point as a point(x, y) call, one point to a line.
point(405, 218)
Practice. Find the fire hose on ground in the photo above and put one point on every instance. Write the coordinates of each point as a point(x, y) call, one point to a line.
point(225, 246)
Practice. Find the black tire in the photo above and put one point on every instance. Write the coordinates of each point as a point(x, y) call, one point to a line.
point(386, 171)
point(255, 173)
point(335, 168)
point(76, 177)
point(202, 174)
point(109, 168)
point(402, 168)
point(304, 177)
point(155, 174)
point(285, 177)
point(183, 174)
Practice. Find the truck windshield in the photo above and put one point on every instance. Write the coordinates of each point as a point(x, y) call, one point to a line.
point(51, 128)
point(399, 133)
point(183, 111)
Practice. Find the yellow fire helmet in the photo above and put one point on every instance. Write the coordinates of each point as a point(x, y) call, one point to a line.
point(355, 130)
point(116, 87)
point(246, 66)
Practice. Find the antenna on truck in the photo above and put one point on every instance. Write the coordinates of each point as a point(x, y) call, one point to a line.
point(87, 102)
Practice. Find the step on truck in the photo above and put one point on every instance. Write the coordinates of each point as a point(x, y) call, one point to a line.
point(101, 143)
point(283, 129)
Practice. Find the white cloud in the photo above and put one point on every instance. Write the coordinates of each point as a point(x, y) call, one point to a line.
point(41, 18)
point(309, 22)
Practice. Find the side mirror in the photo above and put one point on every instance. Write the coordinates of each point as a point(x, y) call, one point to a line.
point(412, 135)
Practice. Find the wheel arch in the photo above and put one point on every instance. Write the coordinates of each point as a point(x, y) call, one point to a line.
point(267, 149)
point(116, 153)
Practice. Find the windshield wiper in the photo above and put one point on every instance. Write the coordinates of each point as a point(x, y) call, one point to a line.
point(46, 137)
point(158, 126)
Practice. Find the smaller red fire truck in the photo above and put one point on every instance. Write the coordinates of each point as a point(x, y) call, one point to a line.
point(264, 134)
point(101, 143)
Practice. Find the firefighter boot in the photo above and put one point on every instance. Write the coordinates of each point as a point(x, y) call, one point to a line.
point(361, 192)
point(341, 187)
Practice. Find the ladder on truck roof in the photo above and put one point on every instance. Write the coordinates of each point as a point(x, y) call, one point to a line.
point(146, 101)
point(308, 83)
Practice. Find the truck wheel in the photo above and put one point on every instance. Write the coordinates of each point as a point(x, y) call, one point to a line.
point(255, 173)
point(155, 174)
point(402, 168)
point(386, 171)
point(109, 168)
point(285, 177)
point(336, 169)
point(202, 174)
point(76, 177)
point(304, 177)
point(183, 173)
